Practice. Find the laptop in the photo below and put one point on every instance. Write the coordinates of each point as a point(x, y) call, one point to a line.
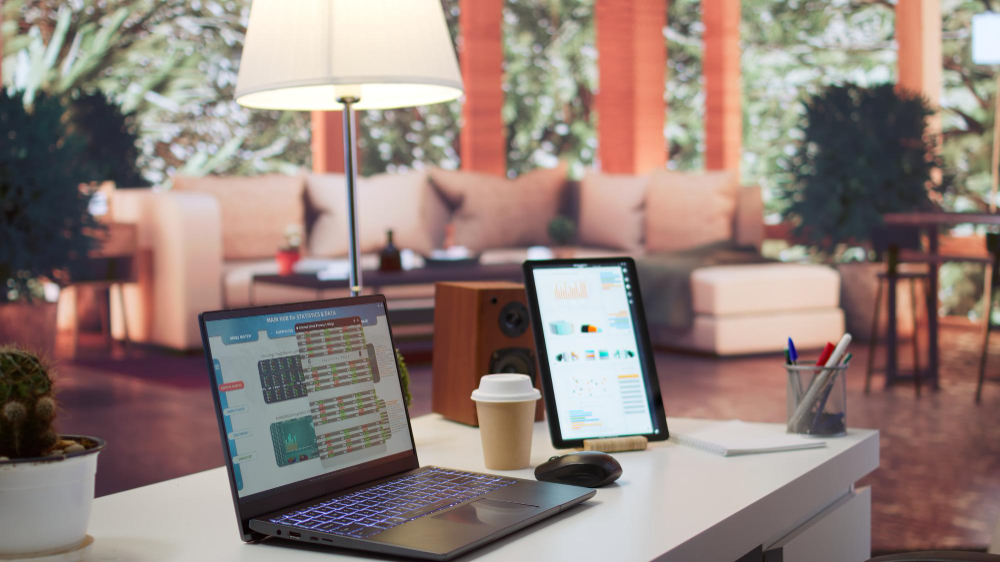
point(318, 442)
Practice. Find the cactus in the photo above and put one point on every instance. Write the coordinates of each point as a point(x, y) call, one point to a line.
point(27, 407)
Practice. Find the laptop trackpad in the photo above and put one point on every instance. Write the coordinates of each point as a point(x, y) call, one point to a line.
point(495, 513)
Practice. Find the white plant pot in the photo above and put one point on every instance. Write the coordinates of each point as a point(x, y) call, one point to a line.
point(858, 287)
point(45, 503)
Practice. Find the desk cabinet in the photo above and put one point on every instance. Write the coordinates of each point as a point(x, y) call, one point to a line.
point(839, 533)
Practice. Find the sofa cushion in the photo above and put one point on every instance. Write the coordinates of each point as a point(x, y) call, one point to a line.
point(765, 288)
point(255, 210)
point(755, 333)
point(405, 203)
point(686, 210)
point(612, 209)
point(495, 212)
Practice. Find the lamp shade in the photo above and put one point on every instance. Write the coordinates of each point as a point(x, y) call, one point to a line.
point(986, 38)
point(304, 54)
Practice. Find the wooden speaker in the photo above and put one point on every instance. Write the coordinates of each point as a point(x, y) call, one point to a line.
point(480, 328)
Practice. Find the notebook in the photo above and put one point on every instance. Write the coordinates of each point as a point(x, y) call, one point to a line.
point(739, 438)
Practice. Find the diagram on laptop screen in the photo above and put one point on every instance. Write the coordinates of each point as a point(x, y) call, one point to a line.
point(592, 348)
point(307, 393)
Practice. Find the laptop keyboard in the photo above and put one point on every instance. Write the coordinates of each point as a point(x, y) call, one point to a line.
point(386, 505)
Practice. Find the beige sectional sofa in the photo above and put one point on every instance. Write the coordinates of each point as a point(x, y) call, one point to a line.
point(210, 235)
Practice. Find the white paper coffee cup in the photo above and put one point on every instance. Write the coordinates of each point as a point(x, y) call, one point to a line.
point(505, 404)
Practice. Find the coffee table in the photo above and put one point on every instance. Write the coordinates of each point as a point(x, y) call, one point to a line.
point(377, 280)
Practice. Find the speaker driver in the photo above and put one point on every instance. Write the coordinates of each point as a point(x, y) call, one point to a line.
point(513, 360)
point(513, 319)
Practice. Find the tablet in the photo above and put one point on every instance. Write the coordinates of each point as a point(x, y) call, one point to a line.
point(594, 355)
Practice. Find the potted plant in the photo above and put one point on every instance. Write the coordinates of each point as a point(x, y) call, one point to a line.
point(562, 231)
point(291, 253)
point(45, 224)
point(864, 152)
point(46, 479)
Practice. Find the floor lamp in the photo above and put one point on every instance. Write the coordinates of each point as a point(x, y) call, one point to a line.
point(345, 55)
point(986, 51)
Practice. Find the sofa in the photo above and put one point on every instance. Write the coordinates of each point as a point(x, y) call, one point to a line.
point(208, 236)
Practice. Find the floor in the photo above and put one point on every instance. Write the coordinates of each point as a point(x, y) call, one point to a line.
point(938, 485)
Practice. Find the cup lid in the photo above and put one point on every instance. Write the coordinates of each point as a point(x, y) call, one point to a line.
point(505, 388)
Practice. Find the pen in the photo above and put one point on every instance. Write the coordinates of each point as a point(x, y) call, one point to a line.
point(793, 355)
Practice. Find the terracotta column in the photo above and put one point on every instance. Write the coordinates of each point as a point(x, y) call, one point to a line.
point(632, 62)
point(480, 55)
point(721, 67)
point(328, 142)
point(918, 35)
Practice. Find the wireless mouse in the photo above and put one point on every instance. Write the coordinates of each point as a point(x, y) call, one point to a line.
point(590, 469)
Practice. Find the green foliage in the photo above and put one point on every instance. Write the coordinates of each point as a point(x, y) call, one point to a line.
point(27, 405)
point(549, 82)
point(43, 211)
point(404, 378)
point(562, 230)
point(792, 50)
point(170, 62)
point(109, 139)
point(864, 153)
point(685, 127)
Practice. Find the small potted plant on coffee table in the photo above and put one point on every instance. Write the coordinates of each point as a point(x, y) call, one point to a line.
point(291, 253)
point(562, 231)
point(46, 479)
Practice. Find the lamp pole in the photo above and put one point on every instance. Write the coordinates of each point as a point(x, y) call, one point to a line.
point(351, 173)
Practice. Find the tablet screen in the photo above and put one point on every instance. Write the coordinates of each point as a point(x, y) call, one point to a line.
point(587, 313)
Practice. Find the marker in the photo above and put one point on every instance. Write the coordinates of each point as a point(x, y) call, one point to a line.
point(825, 355)
point(793, 355)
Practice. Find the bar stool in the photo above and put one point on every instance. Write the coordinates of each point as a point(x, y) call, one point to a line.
point(888, 242)
point(993, 273)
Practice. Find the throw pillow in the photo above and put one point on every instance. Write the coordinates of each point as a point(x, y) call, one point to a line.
point(612, 209)
point(404, 203)
point(494, 212)
point(686, 210)
point(255, 210)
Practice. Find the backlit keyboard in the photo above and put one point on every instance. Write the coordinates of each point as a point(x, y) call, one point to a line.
point(386, 505)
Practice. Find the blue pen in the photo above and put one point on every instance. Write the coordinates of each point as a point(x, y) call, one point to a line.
point(792, 354)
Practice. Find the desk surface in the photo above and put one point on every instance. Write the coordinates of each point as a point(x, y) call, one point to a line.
point(673, 502)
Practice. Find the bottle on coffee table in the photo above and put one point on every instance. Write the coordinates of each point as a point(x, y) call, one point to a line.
point(390, 258)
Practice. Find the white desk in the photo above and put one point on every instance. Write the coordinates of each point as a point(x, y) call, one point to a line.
point(671, 503)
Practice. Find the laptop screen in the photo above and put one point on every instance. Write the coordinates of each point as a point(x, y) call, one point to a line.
point(307, 393)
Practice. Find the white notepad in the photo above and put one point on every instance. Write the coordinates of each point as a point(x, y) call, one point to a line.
point(739, 438)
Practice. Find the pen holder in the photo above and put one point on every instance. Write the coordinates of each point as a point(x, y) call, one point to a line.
point(817, 400)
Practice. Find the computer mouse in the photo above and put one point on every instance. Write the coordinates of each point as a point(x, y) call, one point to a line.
point(590, 469)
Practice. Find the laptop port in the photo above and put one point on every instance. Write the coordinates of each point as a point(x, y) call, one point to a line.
point(295, 535)
point(314, 539)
